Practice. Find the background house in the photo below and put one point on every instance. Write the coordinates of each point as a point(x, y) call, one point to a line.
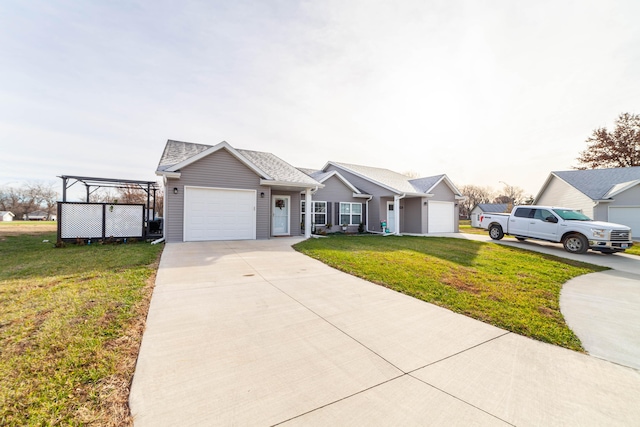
point(6, 216)
point(603, 194)
point(482, 208)
point(37, 216)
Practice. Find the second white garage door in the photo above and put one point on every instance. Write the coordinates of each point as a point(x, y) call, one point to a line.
point(629, 216)
point(219, 214)
point(441, 217)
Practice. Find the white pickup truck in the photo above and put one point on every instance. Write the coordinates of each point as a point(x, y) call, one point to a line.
point(576, 231)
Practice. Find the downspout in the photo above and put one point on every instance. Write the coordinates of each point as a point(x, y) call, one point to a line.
point(396, 207)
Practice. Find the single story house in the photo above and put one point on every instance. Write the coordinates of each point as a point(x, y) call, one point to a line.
point(6, 216)
point(611, 195)
point(482, 208)
point(223, 193)
point(37, 216)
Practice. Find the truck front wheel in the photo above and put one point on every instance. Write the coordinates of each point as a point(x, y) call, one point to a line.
point(495, 232)
point(576, 243)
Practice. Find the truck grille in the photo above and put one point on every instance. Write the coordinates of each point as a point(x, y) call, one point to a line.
point(620, 235)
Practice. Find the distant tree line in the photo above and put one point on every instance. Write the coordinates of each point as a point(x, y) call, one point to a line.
point(28, 198)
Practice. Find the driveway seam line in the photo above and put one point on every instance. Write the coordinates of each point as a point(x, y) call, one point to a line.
point(461, 400)
point(460, 352)
point(341, 399)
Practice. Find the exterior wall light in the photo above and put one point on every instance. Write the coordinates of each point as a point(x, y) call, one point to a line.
point(262, 194)
point(175, 190)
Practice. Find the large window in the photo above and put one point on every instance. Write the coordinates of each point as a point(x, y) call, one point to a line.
point(319, 212)
point(350, 213)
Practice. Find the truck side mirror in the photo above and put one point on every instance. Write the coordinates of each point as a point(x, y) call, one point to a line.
point(552, 219)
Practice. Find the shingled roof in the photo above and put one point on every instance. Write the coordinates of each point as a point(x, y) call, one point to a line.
point(395, 181)
point(600, 184)
point(269, 165)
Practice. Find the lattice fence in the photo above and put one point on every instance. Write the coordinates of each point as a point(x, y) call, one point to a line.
point(99, 221)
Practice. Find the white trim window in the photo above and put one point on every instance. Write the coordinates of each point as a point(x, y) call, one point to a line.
point(319, 212)
point(350, 213)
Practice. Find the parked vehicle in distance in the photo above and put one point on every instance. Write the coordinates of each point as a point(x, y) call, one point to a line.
point(576, 231)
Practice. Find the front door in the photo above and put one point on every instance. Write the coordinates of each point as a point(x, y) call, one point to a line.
point(280, 211)
point(391, 218)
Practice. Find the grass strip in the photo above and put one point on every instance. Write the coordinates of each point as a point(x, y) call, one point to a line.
point(71, 320)
point(510, 288)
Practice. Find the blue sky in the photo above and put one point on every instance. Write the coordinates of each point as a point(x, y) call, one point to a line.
point(484, 91)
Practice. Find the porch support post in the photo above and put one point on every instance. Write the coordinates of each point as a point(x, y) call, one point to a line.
point(307, 213)
point(396, 219)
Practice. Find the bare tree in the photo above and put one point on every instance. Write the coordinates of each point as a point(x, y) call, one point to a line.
point(411, 174)
point(617, 149)
point(473, 195)
point(28, 198)
point(511, 195)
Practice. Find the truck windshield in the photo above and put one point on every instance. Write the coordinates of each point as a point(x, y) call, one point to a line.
point(571, 215)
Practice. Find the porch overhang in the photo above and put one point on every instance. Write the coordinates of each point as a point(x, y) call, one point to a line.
point(290, 186)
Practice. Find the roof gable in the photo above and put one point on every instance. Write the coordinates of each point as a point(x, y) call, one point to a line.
point(598, 184)
point(179, 154)
point(322, 176)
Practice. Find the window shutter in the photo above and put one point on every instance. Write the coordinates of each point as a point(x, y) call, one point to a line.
point(364, 213)
point(337, 213)
point(328, 212)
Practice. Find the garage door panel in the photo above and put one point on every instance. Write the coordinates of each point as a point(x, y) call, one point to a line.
point(629, 216)
point(441, 217)
point(219, 214)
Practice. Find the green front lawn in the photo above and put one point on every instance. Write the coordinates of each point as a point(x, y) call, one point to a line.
point(511, 288)
point(71, 320)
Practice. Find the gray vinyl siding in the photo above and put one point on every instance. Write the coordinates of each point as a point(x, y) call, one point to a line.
point(628, 198)
point(375, 212)
point(218, 170)
point(559, 193)
point(412, 214)
point(334, 192)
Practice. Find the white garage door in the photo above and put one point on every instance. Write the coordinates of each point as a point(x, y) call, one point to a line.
point(629, 216)
point(441, 217)
point(219, 214)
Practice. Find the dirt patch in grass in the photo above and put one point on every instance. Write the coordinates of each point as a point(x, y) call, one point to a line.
point(30, 228)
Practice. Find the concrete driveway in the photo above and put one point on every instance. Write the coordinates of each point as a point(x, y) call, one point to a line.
point(602, 309)
point(254, 333)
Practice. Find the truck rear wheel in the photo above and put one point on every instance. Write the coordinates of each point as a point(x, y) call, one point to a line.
point(575, 243)
point(495, 232)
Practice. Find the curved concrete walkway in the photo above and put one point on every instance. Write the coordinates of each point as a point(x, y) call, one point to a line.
point(254, 333)
point(602, 309)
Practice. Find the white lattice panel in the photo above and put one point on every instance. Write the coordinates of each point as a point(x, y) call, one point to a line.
point(123, 221)
point(81, 220)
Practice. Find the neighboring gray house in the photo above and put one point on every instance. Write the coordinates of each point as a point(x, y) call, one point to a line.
point(6, 216)
point(221, 193)
point(421, 206)
point(482, 208)
point(338, 204)
point(603, 194)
